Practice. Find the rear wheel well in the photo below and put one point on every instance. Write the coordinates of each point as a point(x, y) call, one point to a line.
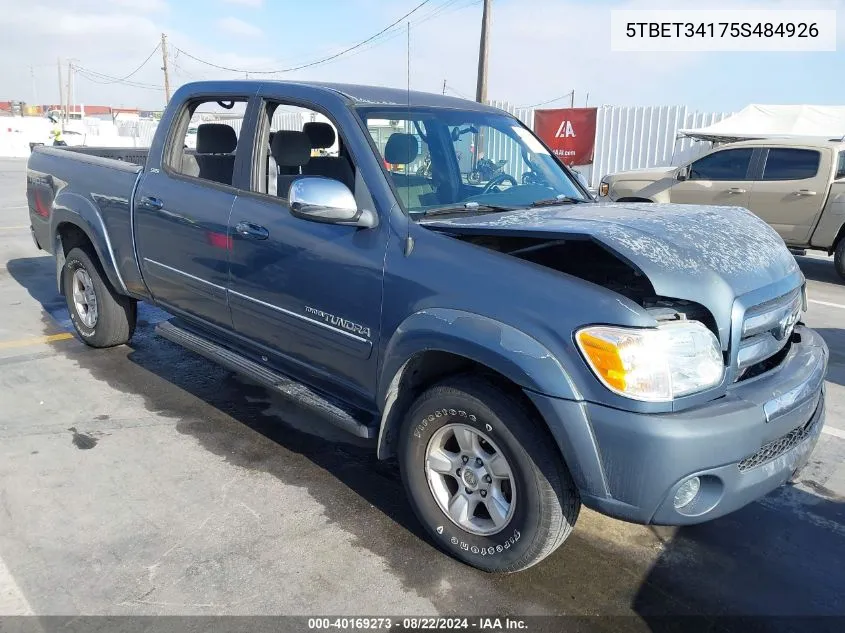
point(68, 237)
point(633, 199)
point(426, 369)
point(839, 237)
point(72, 236)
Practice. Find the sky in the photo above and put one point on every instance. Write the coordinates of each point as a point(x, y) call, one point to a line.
point(539, 50)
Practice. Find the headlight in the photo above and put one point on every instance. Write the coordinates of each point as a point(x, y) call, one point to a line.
point(604, 188)
point(653, 364)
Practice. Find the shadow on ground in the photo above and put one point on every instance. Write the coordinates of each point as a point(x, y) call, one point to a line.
point(781, 556)
point(819, 269)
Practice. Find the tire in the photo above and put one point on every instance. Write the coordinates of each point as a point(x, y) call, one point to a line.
point(543, 500)
point(114, 316)
point(839, 258)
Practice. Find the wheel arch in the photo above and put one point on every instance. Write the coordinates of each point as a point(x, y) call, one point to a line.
point(74, 216)
point(434, 344)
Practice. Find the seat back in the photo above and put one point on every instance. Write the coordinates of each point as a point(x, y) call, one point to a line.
point(216, 143)
point(322, 136)
point(291, 150)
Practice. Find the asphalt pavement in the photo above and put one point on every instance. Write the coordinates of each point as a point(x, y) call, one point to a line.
point(145, 480)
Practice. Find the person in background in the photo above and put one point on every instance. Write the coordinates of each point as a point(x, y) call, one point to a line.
point(56, 133)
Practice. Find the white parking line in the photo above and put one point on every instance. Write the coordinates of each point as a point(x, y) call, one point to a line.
point(12, 600)
point(829, 430)
point(827, 303)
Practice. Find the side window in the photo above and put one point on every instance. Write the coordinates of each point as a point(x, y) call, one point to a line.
point(729, 164)
point(299, 142)
point(791, 164)
point(840, 167)
point(207, 139)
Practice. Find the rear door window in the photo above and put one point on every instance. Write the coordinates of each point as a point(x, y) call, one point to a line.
point(785, 163)
point(729, 164)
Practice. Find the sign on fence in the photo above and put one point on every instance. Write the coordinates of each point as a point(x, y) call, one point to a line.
point(569, 132)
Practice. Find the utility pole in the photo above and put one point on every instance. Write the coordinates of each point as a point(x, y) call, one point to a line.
point(34, 87)
point(69, 86)
point(483, 51)
point(572, 99)
point(59, 68)
point(444, 87)
point(164, 67)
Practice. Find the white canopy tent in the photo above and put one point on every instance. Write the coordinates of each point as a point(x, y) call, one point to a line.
point(768, 121)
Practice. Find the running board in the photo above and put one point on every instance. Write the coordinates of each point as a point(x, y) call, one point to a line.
point(233, 361)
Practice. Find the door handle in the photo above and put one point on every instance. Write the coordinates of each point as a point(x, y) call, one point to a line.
point(805, 192)
point(252, 231)
point(152, 203)
point(736, 190)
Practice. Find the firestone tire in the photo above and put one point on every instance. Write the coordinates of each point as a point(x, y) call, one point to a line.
point(112, 320)
point(839, 259)
point(544, 498)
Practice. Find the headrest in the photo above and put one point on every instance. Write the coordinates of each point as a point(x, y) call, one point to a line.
point(401, 149)
point(321, 134)
point(216, 138)
point(290, 149)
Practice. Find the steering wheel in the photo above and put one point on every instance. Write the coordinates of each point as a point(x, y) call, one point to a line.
point(498, 180)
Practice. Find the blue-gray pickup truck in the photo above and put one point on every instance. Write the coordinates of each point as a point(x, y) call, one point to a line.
point(518, 348)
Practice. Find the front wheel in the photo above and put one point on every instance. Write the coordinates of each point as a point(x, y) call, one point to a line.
point(483, 476)
point(101, 316)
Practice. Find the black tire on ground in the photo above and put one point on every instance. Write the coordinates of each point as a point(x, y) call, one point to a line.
point(116, 314)
point(839, 258)
point(545, 502)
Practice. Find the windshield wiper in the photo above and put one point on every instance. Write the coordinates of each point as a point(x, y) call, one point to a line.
point(468, 207)
point(561, 199)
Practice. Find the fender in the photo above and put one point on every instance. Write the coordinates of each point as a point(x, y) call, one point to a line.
point(81, 212)
point(829, 228)
point(501, 347)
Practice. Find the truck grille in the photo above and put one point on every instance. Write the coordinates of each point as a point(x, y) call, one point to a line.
point(778, 447)
point(766, 330)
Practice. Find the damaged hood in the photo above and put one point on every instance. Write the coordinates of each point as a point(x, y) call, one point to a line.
point(707, 254)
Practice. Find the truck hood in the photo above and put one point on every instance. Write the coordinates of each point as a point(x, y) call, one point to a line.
point(706, 254)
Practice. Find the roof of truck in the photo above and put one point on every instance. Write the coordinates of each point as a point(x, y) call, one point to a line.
point(379, 95)
point(356, 94)
point(791, 141)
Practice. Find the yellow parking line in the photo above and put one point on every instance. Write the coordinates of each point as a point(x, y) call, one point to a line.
point(36, 340)
point(12, 228)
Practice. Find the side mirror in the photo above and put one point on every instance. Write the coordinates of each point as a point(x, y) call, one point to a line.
point(329, 201)
point(683, 173)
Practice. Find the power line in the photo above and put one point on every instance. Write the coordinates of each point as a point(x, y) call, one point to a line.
point(460, 94)
point(101, 78)
point(566, 96)
point(313, 63)
point(143, 63)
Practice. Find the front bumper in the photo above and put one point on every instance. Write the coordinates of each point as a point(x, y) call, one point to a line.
point(742, 446)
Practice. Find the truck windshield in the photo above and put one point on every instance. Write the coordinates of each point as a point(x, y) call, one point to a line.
point(446, 160)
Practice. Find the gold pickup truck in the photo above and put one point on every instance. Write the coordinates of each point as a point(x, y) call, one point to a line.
point(797, 185)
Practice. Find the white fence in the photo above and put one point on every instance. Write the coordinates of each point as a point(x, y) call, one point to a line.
point(637, 137)
point(633, 137)
point(142, 131)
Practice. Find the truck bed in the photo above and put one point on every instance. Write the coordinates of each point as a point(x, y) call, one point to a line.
point(106, 183)
point(133, 155)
